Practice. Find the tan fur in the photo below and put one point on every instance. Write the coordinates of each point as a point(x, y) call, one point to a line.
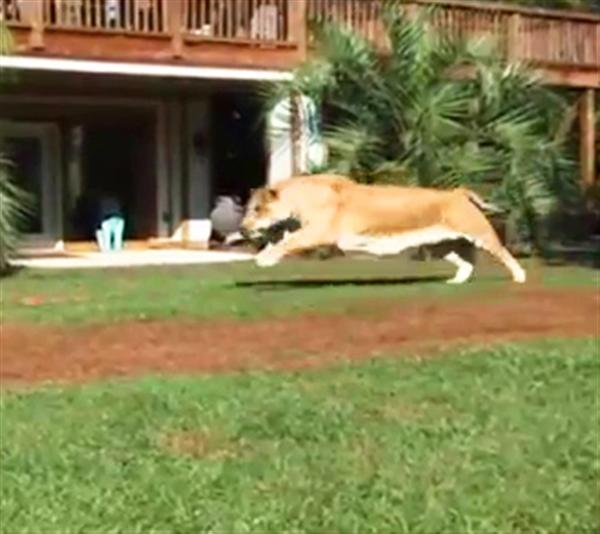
point(380, 219)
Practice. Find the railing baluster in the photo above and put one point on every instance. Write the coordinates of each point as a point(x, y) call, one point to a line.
point(219, 8)
point(36, 36)
point(243, 21)
point(206, 21)
point(227, 19)
point(194, 15)
point(175, 16)
point(281, 17)
point(140, 15)
point(188, 15)
point(253, 20)
point(127, 14)
point(85, 14)
point(153, 16)
point(102, 15)
point(238, 24)
point(204, 17)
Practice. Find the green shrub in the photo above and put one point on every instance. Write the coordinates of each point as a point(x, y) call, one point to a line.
point(15, 204)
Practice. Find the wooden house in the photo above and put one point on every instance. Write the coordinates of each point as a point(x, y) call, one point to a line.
point(158, 100)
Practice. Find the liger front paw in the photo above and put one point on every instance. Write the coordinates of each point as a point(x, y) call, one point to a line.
point(267, 259)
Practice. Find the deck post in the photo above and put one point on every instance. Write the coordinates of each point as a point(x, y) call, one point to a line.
point(33, 14)
point(587, 120)
point(175, 14)
point(298, 24)
point(513, 51)
point(411, 10)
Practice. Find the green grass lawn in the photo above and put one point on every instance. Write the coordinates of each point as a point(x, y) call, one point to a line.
point(244, 291)
point(500, 440)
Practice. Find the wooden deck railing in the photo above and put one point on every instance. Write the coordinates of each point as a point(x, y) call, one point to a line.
point(225, 20)
point(545, 37)
point(139, 16)
point(548, 37)
point(239, 20)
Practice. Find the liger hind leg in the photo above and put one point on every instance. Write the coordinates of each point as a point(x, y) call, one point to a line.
point(464, 268)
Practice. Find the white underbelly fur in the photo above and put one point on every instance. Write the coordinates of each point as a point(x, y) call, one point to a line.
point(395, 243)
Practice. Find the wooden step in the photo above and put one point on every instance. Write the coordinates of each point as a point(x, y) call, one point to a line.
point(135, 244)
point(92, 246)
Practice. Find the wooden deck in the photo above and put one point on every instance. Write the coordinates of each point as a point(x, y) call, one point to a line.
point(227, 33)
point(565, 45)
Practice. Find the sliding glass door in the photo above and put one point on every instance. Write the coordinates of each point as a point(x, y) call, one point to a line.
point(34, 150)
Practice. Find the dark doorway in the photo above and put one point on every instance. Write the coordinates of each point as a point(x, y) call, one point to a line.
point(238, 131)
point(26, 156)
point(118, 160)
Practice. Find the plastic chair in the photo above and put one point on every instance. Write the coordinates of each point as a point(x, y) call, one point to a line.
point(110, 234)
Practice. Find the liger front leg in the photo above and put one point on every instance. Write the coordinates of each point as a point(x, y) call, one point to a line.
point(292, 243)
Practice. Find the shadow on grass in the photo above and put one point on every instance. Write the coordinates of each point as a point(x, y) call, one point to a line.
point(340, 282)
point(588, 264)
point(10, 270)
point(589, 260)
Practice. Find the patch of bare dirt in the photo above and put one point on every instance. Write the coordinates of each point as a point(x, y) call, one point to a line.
point(32, 353)
point(198, 444)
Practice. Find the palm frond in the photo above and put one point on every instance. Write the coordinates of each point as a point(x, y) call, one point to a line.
point(15, 204)
point(15, 207)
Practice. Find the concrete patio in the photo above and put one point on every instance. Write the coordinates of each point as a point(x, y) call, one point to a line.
point(129, 258)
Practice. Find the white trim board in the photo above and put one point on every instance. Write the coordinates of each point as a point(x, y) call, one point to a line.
point(141, 69)
point(133, 258)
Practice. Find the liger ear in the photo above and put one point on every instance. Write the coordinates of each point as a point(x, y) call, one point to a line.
point(272, 194)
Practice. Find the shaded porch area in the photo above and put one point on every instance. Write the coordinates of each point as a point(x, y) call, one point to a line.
point(164, 148)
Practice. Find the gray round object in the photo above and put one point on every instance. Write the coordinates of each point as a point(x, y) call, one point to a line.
point(227, 215)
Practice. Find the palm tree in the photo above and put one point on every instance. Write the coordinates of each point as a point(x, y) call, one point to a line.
point(14, 202)
point(408, 116)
